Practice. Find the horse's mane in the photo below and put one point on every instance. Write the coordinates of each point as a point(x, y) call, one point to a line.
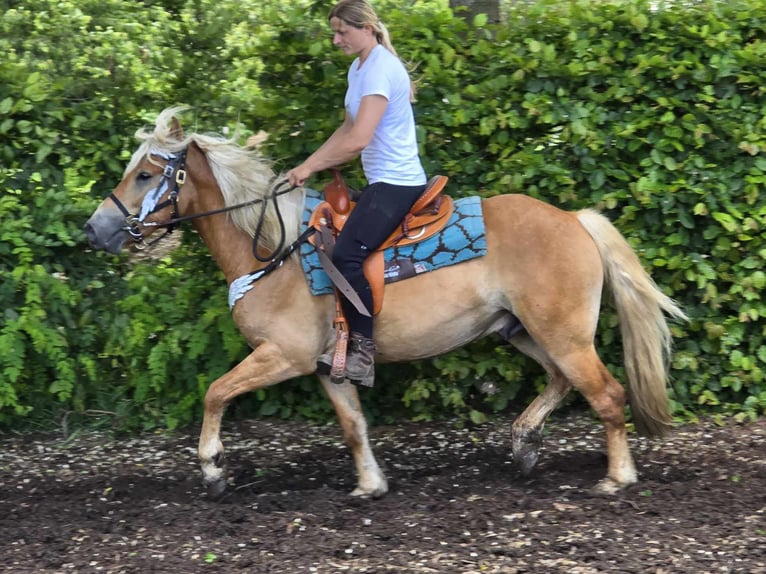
point(242, 175)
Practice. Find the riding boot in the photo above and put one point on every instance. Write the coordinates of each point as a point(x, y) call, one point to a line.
point(360, 364)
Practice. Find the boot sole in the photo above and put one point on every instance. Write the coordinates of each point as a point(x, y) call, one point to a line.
point(364, 383)
point(323, 368)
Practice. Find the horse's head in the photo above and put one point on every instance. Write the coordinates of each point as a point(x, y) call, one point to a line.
point(156, 192)
point(148, 195)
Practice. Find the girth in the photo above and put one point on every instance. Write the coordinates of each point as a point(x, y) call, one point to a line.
point(428, 215)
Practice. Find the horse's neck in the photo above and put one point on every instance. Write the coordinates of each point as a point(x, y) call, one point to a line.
point(230, 247)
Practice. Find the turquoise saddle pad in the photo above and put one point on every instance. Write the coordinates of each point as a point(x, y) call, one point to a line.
point(461, 240)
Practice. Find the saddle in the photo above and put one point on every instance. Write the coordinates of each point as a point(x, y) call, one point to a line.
point(428, 215)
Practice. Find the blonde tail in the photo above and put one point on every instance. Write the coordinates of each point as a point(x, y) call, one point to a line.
point(646, 338)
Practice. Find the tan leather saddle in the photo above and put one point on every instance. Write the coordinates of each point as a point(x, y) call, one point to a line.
point(428, 215)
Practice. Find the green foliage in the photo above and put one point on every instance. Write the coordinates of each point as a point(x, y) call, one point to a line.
point(43, 296)
point(484, 377)
point(651, 113)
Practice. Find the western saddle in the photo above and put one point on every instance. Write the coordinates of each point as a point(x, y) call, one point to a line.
point(428, 215)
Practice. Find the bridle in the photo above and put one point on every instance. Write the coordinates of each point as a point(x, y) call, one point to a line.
point(174, 173)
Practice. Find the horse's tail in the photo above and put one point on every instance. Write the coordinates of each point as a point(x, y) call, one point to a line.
point(646, 338)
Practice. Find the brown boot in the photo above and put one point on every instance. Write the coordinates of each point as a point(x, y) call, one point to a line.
point(360, 364)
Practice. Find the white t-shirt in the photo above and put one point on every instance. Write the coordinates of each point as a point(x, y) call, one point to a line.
point(392, 154)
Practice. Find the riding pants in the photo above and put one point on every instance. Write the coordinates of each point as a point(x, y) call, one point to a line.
point(381, 207)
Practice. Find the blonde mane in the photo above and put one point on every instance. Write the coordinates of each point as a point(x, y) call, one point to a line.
point(242, 175)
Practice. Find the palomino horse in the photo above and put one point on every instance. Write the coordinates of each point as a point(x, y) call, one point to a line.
point(544, 267)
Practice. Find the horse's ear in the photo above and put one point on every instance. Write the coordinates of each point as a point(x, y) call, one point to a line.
point(176, 131)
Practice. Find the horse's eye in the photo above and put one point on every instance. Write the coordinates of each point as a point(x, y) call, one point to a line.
point(144, 176)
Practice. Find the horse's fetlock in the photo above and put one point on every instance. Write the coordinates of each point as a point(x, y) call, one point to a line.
point(533, 437)
point(527, 438)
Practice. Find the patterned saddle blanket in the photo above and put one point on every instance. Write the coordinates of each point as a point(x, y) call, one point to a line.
point(461, 240)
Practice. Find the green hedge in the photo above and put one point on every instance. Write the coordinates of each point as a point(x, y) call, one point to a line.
point(656, 116)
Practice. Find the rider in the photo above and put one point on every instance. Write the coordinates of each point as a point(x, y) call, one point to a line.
point(379, 124)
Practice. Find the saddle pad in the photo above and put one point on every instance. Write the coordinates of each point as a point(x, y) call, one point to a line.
point(461, 240)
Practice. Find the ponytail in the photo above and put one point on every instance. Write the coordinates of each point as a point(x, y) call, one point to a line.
point(381, 33)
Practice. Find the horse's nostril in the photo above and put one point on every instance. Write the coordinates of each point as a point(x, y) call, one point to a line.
point(89, 233)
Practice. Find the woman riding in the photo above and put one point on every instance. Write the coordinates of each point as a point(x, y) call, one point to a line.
point(379, 124)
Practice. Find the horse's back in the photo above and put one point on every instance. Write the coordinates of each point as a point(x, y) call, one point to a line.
point(523, 212)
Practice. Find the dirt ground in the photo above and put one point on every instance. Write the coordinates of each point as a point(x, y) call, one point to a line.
point(456, 505)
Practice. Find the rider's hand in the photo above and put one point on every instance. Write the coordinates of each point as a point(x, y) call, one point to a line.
point(298, 175)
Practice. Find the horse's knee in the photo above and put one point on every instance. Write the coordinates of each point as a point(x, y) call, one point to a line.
point(215, 401)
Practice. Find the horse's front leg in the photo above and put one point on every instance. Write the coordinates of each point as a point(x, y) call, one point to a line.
point(265, 366)
point(345, 398)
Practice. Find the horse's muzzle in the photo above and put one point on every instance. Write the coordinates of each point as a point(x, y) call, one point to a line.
point(106, 233)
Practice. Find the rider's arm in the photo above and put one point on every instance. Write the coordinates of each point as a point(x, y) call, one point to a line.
point(346, 143)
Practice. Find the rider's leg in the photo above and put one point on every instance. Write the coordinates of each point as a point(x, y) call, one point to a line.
point(380, 209)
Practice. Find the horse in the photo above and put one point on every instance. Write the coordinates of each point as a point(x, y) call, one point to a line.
point(544, 268)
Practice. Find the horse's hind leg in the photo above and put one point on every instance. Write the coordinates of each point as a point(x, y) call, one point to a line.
point(587, 373)
point(527, 434)
point(578, 367)
point(345, 398)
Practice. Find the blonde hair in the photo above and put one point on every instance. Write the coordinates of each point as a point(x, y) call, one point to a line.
point(358, 13)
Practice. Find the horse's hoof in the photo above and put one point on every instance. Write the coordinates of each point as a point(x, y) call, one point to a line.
point(526, 450)
point(526, 461)
point(216, 489)
point(374, 494)
point(607, 486)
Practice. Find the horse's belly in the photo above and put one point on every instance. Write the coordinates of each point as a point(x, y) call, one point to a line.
point(439, 311)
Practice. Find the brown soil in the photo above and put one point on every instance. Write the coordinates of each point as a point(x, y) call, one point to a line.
point(456, 505)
